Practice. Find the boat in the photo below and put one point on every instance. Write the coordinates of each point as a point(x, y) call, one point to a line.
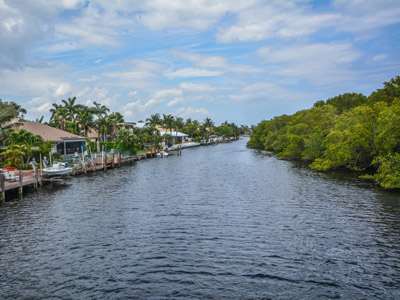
point(183, 146)
point(162, 154)
point(58, 169)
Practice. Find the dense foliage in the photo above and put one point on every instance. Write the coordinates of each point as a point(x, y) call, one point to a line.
point(348, 131)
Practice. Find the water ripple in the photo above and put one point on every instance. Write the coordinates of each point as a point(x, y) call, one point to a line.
point(218, 222)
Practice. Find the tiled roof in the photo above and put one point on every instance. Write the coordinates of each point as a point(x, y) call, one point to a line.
point(49, 133)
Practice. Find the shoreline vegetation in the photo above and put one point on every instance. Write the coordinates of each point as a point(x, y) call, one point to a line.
point(350, 131)
point(103, 131)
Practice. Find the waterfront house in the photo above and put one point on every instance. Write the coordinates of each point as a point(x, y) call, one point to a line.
point(63, 142)
point(131, 126)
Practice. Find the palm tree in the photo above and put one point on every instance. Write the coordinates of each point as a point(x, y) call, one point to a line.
point(99, 110)
point(70, 107)
point(125, 139)
point(54, 109)
point(114, 119)
point(191, 128)
point(168, 121)
point(235, 129)
point(59, 116)
point(13, 155)
point(154, 120)
point(20, 110)
point(84, 119)
point(7, 113)
point(26, 140)
point(39, 120)
point(102, 127)
point(208, 123)
point(178, 122)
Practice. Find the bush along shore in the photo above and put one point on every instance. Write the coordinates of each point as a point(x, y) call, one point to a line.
point(352, 131)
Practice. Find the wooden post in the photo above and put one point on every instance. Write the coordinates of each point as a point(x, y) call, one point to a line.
point(36, 184)
point(3, 189)
point(105, 162)
point(112, 161)
point(119, 159)
point(20, 189)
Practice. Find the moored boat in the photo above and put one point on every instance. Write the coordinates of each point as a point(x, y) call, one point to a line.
point(58, 169)
point(183, 146)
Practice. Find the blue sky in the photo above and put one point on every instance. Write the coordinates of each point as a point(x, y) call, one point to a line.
point(241, 61)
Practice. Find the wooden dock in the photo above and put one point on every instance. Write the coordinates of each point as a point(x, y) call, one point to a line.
point(25, 178)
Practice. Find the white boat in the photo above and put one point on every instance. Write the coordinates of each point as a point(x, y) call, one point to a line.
point(183, 146)
point(58, 169)
point(162, 154)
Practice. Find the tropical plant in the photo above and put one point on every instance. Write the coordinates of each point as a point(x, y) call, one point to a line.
point(13, 155)
point(84, 119)
point(26, 140)
point(154, 120)
point(7, 114)
point(168, 122)
point(125, 140)
point(114, 119)
point(101, 123)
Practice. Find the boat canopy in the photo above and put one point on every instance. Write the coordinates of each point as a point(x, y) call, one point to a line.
point(173, 133)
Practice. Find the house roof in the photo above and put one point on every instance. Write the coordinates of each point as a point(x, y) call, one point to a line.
point(140, 125)
point(49, 133)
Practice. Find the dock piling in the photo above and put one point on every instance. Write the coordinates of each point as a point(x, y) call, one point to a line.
point(3, 189)
point(36, 184)
point(20, 189)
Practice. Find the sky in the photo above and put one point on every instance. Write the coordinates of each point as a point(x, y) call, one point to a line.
point(239, 61)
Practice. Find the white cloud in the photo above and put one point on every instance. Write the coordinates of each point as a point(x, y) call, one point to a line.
point(133, 94)
point(32, 81)
point(190, 112)
point(215, 62)
point(135, 74)
point(95, 27)
point(319, 63)
point(272, 93)
point(162, 94)
point(176, 101)
point(90, 79)
point(137, 109)
point(194, 14)
point(62, 90)
point(196, 87)
point(39, 105)
point(379, 57)
point(367, 15)
point(191, 72)
point(283, 19)
point(59, 47)
point(20, 30)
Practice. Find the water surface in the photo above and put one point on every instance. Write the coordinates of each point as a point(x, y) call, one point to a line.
point(222, 222)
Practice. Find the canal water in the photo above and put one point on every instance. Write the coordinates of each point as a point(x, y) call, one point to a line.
point(218, 222)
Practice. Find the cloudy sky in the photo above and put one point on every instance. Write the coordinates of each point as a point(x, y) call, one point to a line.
point(241, 61)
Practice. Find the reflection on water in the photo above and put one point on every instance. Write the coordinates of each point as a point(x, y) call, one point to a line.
point(221, 222)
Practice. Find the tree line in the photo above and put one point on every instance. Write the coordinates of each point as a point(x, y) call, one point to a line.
point(351, 131)
point(17, 147)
